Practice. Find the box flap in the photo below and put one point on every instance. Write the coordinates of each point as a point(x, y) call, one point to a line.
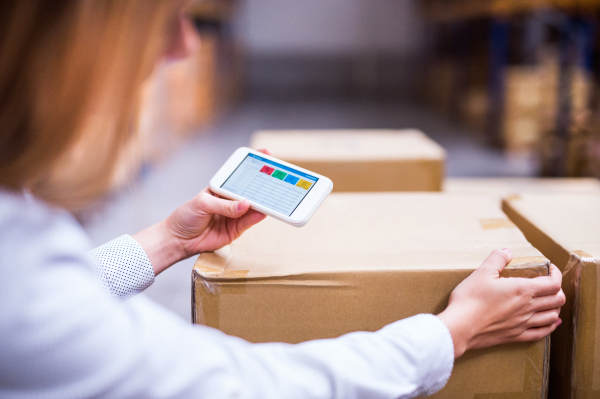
point(350, 145)
point(375, 232)
point(570, 220)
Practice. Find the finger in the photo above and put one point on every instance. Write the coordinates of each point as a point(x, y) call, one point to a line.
point(208, 191)
point(227, 208)
point(497, 261)
point(547, 285)
point(548, 302)
point(535, 334)
point(265, 151)
point(542, 319)
point(251, 218)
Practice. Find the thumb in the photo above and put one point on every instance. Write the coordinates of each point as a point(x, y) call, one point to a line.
point(227, 208)
point(497, 261)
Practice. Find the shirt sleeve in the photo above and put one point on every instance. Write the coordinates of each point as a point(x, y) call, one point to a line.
point(123, 267)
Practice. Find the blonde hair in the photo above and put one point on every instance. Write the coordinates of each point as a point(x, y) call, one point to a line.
point(70, 76)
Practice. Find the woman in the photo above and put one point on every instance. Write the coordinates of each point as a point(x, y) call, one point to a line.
point(70, 72)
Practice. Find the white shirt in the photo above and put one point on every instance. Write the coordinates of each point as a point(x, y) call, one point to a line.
point(62, 336)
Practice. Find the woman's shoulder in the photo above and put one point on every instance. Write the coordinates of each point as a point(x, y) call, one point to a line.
point(31, 229)
point(25, 207)
point(20, 210)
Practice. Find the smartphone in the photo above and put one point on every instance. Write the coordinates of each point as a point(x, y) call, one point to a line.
point(272, 186)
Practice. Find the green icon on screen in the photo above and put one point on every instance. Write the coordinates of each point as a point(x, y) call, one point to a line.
point(279, 174)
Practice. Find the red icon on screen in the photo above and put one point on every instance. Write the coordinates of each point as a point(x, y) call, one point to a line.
point(267, 170)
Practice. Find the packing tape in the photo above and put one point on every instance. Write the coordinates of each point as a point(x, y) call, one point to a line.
point(210, 273)
point(208, 284)
point(574, 260)
point(205, 301)
point(492, 224)
point(204, 291)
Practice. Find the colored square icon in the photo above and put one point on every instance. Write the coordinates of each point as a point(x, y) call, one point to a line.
point(279, 174)
point(267, 170)
point(304, 184)
point(291, 179)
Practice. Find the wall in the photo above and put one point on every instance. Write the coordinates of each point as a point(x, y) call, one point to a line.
point(329, 48)
point(329, 26)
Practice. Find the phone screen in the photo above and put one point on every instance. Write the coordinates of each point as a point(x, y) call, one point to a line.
point(271, 184)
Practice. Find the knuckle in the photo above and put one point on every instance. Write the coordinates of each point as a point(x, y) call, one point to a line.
point(562, 299)
point(513, 334)
point(530, 308)
point(230, 207)
point(520, 288)
point(559, 276)
point(523, 321)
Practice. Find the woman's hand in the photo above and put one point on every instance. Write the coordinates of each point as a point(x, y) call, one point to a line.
point(486, 309)
point(204, 223)
point(207, 222)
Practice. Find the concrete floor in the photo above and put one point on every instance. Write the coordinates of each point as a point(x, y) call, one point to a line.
point(164, 187)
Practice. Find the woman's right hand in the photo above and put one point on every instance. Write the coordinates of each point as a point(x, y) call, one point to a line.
point(486, 309)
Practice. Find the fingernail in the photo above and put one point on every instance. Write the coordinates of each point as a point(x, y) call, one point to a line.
point(241, 205)
point(506, 250)
point(559, 322)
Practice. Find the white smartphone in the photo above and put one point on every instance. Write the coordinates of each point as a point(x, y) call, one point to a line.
point(272, 186)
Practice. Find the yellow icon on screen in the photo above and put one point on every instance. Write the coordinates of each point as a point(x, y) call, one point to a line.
point(304, 184)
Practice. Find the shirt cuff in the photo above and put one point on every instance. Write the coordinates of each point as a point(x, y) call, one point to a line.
point(123, 267)
point(433, 348)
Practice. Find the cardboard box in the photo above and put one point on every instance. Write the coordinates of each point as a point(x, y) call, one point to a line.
point(522, 109)
point(366, 260)
point(565, 228)
point(362, 160)
point(531, 101)
point(500, 187)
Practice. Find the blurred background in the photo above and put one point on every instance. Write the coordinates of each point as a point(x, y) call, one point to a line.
point(507, 87)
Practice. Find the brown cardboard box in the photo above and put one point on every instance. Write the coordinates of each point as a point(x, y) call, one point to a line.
point(532, 101)
point(500, 187)
point(565, 228)
point(362, 160)
point(522, 110)
point(366, 260)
